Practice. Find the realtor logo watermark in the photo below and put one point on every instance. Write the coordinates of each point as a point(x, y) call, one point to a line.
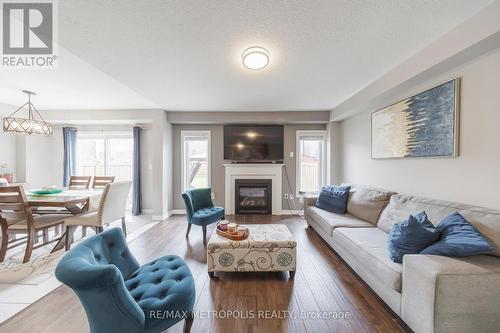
point(29, 31)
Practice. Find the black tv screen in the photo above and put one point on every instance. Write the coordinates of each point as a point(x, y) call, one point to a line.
point(253, 143)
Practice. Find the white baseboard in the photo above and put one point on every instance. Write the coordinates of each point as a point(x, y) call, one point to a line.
point(177, 212)
point(292, 212)
point(147, 211)
point(159, 217)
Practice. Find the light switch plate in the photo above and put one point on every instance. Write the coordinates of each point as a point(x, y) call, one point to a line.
point(291, 154)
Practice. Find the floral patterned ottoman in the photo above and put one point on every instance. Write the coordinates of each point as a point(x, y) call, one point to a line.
point(268, 248)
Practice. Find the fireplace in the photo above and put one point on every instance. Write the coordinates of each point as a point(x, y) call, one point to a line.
point(253, 196)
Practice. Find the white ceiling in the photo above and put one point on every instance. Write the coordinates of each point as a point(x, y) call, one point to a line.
point(185, 55)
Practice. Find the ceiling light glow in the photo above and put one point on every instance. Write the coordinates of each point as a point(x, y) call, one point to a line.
point(255, 57)
point(251, 135)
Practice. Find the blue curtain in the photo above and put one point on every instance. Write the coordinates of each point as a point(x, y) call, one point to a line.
point(69, 139)
point(137, 194)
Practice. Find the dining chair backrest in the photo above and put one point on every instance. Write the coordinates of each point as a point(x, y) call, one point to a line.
point(113, 202)
point(79, 182)
point(14, 205)
point(102, 181)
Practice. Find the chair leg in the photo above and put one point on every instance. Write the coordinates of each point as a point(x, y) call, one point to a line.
point(204, 234)
point(124, 226)
point(5, 243)
point(99, 229)
point(29, 246)
point(189, 229)
point(188, 322)
point(69, 237)
point(84, 232)
point(45, 234)
point(57, 229)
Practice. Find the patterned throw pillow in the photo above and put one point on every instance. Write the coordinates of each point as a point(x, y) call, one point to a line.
point(459, 238)
point(411, 236)
point(333, 199)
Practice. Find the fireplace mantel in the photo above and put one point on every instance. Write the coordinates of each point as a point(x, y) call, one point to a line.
point(253, 171)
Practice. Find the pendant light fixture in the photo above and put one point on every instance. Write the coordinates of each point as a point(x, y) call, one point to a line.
point(34, 124)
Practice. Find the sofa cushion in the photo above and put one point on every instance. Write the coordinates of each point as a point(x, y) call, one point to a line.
point(333, 199)
point(487, 221)
point(329, 221)
point(369, 245)
point(411, 236)
point(367, 203)
point(459, 238)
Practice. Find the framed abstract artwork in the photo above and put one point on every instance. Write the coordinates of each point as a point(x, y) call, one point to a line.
point(423, 125)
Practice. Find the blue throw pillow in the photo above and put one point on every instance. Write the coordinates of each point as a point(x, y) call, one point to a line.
point(459, 238)
point(411, 236)
point(333, 199)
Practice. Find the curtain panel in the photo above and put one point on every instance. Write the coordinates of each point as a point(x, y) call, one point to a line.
point(137, 192)
point(69, 140)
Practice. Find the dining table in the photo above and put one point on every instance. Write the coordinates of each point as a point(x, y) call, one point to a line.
point(74, 201)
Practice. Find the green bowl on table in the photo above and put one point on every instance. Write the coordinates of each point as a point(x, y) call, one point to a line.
point(44, 191)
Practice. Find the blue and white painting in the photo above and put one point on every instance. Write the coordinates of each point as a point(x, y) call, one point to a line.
point(424, 125)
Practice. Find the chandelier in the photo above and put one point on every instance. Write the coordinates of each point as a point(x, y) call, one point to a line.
point(34, 124)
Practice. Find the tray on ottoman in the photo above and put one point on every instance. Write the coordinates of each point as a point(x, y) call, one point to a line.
point(268, 248)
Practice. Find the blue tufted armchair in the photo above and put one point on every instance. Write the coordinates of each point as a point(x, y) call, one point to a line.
point(118, 295)
point(200, 209)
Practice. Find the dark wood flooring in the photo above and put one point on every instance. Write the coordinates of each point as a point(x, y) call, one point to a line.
point(323, 285)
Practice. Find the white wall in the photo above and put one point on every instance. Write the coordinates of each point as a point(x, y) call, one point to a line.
point(7, 141)
point(44, 160)
point(473, 177)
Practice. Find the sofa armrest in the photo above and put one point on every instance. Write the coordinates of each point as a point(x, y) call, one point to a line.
point(443, 294)
point(309, 201)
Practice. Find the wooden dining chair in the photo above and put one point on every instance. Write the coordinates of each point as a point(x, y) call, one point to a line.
point(16, 217)
point(112, 207)
point(102, 181)
point(79, 182)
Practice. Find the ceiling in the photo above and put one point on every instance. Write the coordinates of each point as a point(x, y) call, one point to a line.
point(185, 55)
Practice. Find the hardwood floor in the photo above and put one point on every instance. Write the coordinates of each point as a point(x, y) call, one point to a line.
point(323, 284)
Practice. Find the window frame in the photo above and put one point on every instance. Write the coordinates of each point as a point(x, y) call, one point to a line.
point(298, 180)
point(201, 134)
point(106, 136)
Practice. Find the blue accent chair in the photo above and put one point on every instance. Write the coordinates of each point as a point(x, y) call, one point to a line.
point(200, 209)
point(118, 295)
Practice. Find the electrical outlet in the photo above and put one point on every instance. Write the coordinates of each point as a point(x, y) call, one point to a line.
point(291, 196)
point(286, 195)
point(291, 154)
point(301, 198)
point(212, 195)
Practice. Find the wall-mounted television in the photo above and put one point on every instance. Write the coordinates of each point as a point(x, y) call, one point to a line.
point(253, 143)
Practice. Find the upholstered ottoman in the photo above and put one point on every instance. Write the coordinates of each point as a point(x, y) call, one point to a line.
point(269, 248)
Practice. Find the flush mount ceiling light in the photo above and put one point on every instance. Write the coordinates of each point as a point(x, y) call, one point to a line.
point(34, 124)
point(255, 57)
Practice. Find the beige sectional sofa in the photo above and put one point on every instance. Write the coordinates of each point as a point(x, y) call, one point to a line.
point(429, 293)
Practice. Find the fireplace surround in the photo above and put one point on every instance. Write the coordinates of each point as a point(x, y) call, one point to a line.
point(253, 196)
point(272, 172)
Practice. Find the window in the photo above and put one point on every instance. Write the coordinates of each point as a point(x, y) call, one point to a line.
point(105, 154)
point(195, 159)
point(310, 161)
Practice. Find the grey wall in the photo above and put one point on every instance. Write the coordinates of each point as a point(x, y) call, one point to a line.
point(217, 159)
point(473, 177)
